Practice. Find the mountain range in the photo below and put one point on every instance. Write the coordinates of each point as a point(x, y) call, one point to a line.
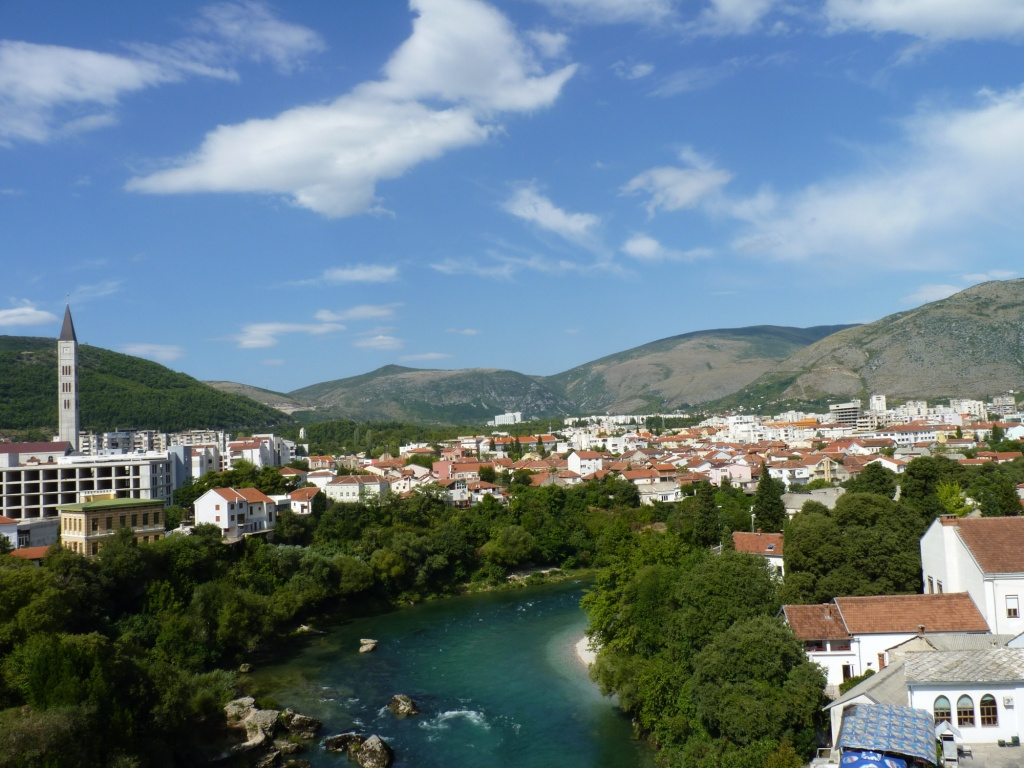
point(968, 345)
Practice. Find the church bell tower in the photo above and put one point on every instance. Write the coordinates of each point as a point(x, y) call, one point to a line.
point(67, 357)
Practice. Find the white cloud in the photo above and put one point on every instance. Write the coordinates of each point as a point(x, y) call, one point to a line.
point(96, 291)
point(263, 335)
point(50, 91)
point(163, 353)
point(424, 356)
point(528, 204)
point(251, 30)
point(506, 267)
point(380, 342)
point(361, 273)
point(729, 17)
point(362, 312)
point(26, 314)
point(671, 188)
point(630, 70)
point(37, 80)
point(992, 274)
point(612, 11)
point(463, 331)
point(329, 157)
point(551, 45)
point(928, 293)
point(930, 19)
point(646, 248)
point(959, 173)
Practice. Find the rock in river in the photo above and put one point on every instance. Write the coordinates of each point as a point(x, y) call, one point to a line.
point(402, 705)
point(366, 645)
point(375, 753)
point(344, 742)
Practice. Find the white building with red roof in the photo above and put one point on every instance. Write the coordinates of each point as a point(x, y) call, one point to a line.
point(982, 556)
point(236, 511)
point(766, 545)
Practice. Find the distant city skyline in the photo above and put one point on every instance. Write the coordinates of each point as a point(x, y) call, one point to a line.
point(284, 194)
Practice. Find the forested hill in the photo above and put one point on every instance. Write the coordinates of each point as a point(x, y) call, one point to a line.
point(116, 391)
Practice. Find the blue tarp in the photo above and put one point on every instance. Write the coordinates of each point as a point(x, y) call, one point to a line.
point(888, 728)
point(854, 759)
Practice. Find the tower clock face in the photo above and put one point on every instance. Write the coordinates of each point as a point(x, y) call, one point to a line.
point(67, 349)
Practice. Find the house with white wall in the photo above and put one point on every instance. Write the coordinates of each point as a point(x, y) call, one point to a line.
point(355, 488)
point(982, 556)
point(766, 545)
point(584, 463)
point(236, 511)
point(851, 635)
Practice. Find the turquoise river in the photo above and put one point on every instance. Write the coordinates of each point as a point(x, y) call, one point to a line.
point(495, 675)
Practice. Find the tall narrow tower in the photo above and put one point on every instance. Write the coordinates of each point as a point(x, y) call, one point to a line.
point(67, 403)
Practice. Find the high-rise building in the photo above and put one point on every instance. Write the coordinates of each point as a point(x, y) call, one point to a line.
point(67, 382)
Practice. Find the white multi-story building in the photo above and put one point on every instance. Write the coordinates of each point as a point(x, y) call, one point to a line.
point(236, 511)
point(983, 557)
point(355, 488)
point(31, 492)
point(877, 403)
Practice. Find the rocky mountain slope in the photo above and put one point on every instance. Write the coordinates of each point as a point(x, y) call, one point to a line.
point(968, 345)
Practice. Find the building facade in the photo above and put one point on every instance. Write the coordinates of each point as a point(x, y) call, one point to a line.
point(85, 527)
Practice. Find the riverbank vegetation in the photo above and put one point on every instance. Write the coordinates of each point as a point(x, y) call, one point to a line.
point(124, 660)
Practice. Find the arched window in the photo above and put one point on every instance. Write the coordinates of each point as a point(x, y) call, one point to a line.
point(989, 712)
point(943, 713)
point(965, 711)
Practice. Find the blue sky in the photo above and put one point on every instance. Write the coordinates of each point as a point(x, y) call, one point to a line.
point(282, 194)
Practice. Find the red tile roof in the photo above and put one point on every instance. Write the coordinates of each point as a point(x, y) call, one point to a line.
point(767, 544)
point(58, 447)
point(30, 553)
point(6, 520)
point(893, 614)
point(815, 622)
point(996, 543)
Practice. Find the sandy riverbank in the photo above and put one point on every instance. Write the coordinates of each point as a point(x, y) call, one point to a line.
point(584, 652)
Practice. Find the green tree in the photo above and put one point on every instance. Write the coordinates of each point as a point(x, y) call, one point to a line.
point(874, 478)
point(952, 498)
point(996, 435)
point(768, 508)
point(707, 529)
point(487, 474)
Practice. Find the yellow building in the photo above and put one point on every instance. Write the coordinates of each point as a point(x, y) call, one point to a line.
point(85, 526)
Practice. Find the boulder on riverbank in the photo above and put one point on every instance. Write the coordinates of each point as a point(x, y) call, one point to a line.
point(300, 726)
point(366, 645)
point(403, 706)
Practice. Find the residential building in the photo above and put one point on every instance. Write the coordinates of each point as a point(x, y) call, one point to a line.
point(236, 511)
point(301, 500)
point(851, 635)
point(981, 556)
point(30, 492)
point(766, 545)
point(355, 488)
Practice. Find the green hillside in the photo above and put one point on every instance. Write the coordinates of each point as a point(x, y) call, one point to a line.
point(116, 392)
point(396, 393)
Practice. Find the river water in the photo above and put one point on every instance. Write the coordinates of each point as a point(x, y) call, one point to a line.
point(495, 676)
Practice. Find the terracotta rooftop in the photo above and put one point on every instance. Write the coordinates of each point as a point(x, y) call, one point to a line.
point(815, 622)
point(884, 614)
point(30, 553)
point(766, 544)
point(996, 543)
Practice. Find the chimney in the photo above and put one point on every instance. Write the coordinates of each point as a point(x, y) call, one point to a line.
point(920, 630)
point(951, 520)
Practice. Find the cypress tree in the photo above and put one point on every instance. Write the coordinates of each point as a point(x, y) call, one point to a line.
point(707, 527)
point(768, 508)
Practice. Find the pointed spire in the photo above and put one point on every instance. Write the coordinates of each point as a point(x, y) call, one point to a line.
point(67, 331)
